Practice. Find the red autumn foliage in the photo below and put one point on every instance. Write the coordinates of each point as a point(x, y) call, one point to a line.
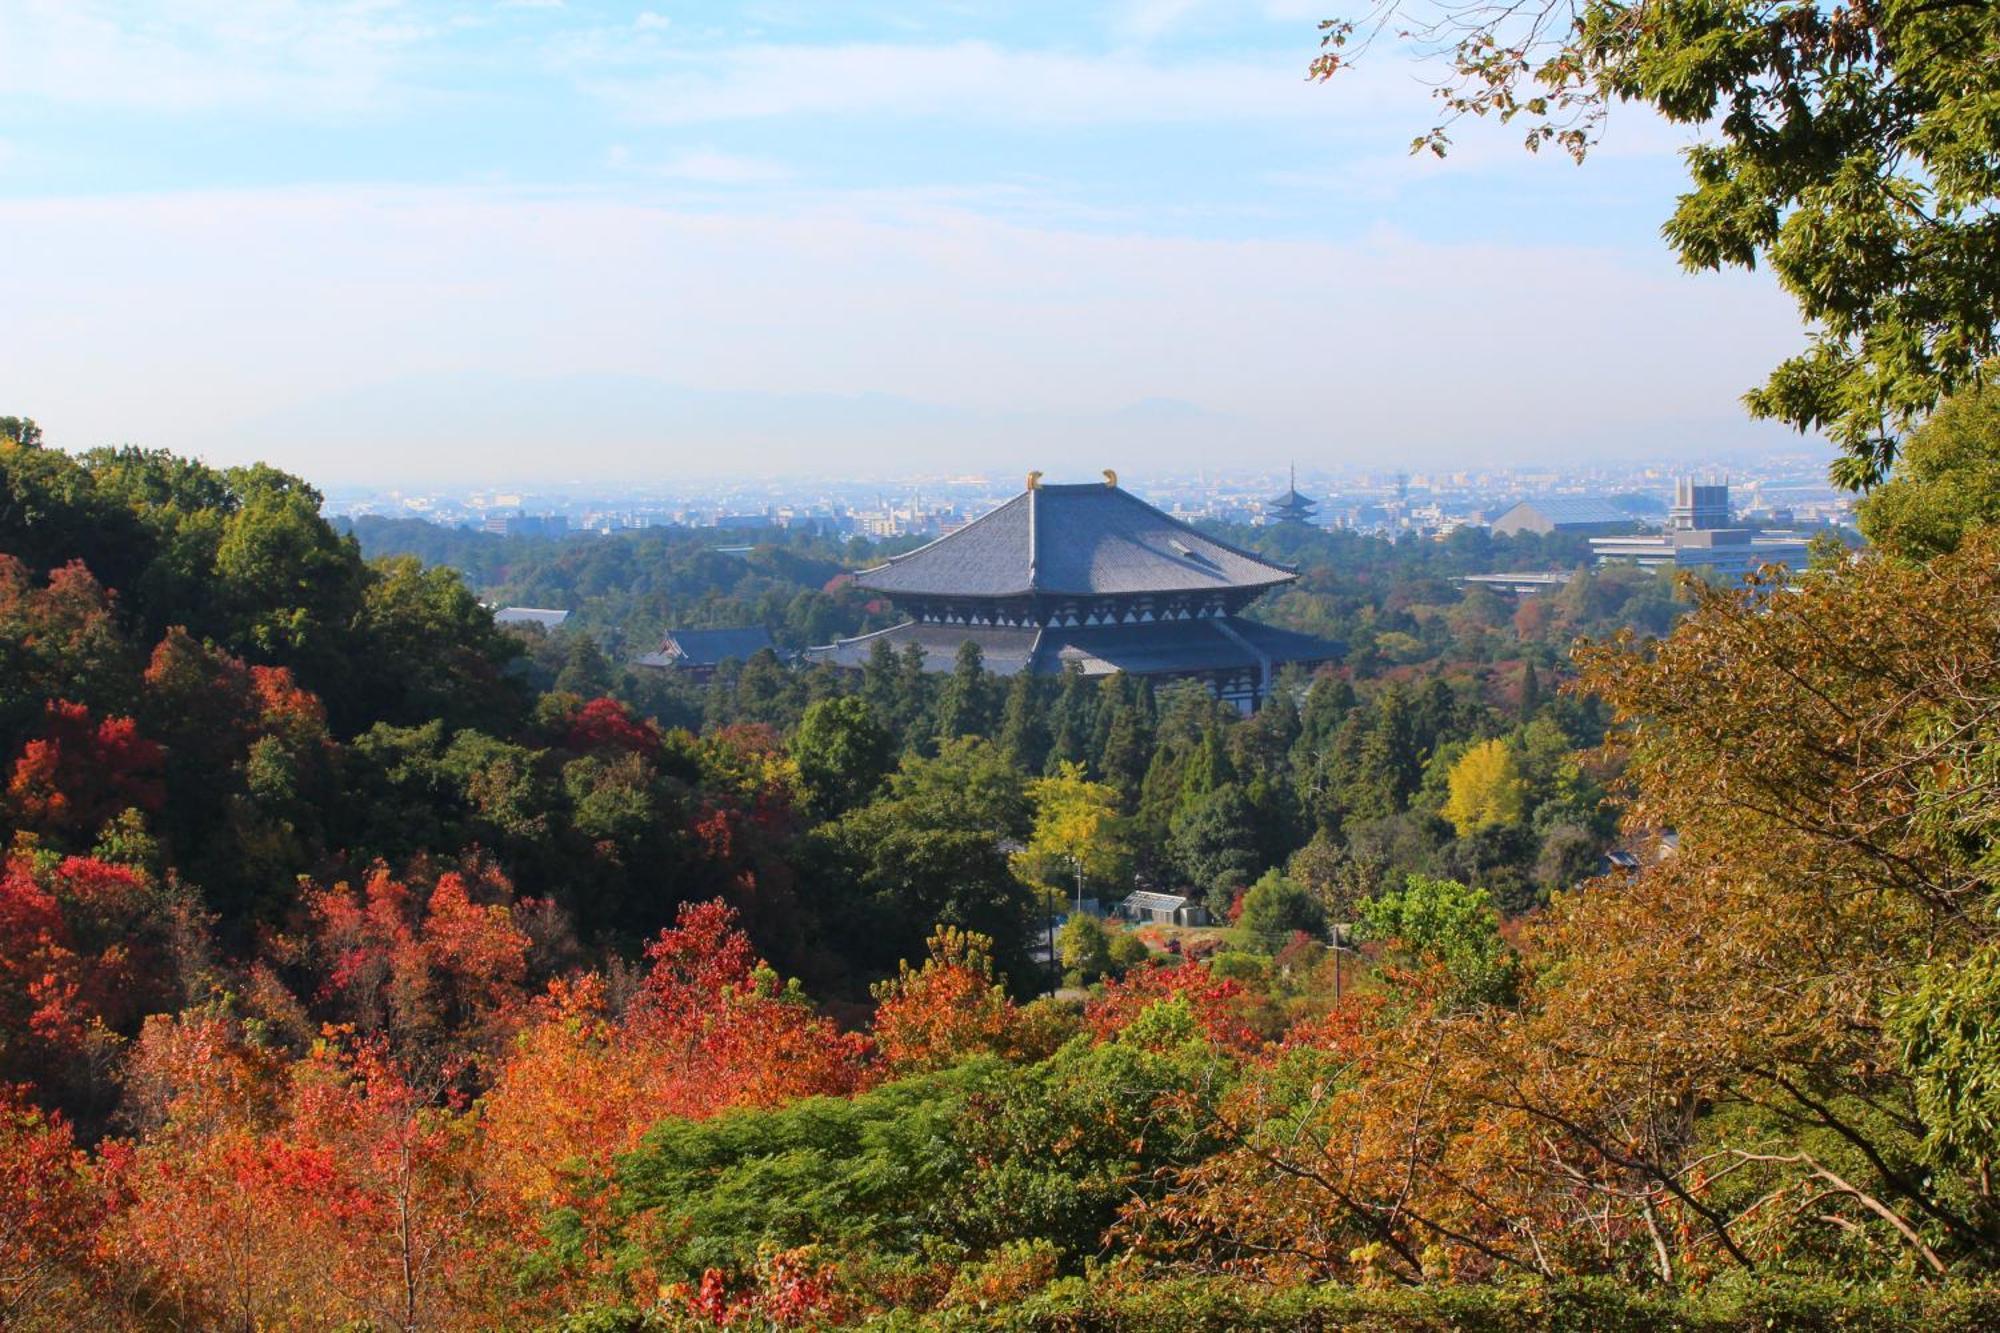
point(606, 724)
point(284, 706)
point(790, 1289)
point(77, 957)
point(80, 772)
point(64, 639)
point(1220, 1004)
point(51, 1205)
point(448, 966)
point(39, 972)
point(331, 1191)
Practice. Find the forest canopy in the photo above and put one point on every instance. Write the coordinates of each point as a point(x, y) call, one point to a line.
point(1613, 957)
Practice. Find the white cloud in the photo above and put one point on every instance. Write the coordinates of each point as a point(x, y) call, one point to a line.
point(1148, 19)
point(189, 321)
point(648, 21)
point(962, 80)
point(705, 166)
point(293, 56)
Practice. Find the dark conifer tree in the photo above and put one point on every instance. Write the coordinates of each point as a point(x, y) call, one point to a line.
point(965, 706)
point(1024, 723)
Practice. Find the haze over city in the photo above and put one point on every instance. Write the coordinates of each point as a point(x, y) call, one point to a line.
point(412, 243)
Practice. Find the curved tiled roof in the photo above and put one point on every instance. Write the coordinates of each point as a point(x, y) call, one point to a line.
point(708, 647)
point(1087, 540)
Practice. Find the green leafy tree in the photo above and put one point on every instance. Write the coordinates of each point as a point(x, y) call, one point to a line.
point(1085, 948)
point(1275, 908)
point(291, 585)
point(1946, 482)
point(1442, 924)
point(942, 1169)
point(1328, 702)
point(1024, 724)
point(1128, 951)
point(1569, 855)
point(1213, 844)
point(586, 671)
point(931, 850)
point(1128, 748)
point(843, 752)
point(1072, 720)
point(1389, 766)
point(426, 648)
point(1331, 875)
point(1948, 1024)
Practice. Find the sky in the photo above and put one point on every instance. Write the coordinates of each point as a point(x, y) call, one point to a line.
point(403, 242)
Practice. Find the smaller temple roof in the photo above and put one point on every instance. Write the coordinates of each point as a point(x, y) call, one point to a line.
point(1088, 540)
point(708, 647)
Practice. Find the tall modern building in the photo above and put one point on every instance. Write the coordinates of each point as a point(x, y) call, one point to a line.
point(1701, 535)
point(1698, 507)
point(1093, 577)
point(1291, 507)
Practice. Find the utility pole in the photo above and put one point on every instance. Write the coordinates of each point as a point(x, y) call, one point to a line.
point(1049, 913)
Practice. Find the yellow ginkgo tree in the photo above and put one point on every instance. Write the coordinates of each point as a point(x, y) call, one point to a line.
point(1078, 828)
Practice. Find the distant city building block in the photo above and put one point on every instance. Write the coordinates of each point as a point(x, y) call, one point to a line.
point(528, 525)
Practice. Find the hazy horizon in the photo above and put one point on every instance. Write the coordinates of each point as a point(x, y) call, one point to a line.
point(403, 243)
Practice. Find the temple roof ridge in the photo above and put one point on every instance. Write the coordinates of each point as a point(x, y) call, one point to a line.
point(1076, 539)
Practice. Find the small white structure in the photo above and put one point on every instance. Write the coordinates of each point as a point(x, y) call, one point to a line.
point(546, 617)
point(1162, 909)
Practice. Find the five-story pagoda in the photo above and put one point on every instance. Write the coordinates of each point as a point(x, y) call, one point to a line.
point(1091, 576)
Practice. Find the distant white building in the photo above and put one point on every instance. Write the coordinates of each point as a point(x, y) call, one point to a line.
point(530, 615)
point(1522, 583)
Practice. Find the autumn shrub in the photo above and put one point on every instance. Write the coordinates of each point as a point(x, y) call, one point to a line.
point(1793, 1305)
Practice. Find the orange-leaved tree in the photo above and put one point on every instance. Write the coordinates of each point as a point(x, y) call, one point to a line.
point(935, 1015)
point(709, 1027)
point(323, 1192)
